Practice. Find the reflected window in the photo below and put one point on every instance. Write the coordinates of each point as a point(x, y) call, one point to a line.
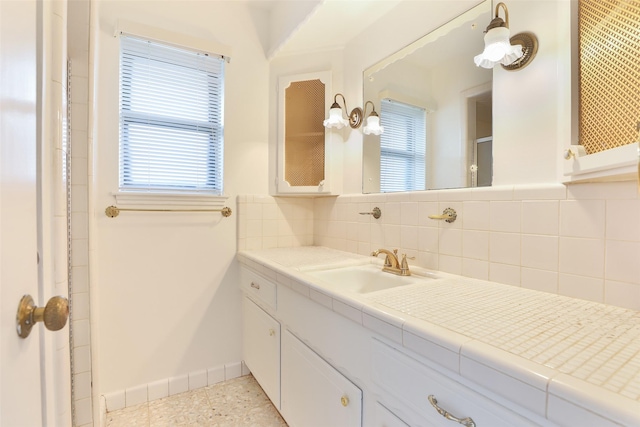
point(402, 146)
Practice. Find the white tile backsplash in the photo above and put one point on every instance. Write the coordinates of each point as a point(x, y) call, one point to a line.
point(505, 216)
point(540, 217)
point(504, 248)
point(475, 244)
point(584, 257)
point(476, 215)
point(589, 288)
point(539, 280)
point(540, 252)
point(581, 240)
point(450, 242)
point(623, 261)
point(623, 220)
point(582, 218)
point(504, 273)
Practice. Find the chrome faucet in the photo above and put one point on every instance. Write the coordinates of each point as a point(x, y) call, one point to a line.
point(391, 264)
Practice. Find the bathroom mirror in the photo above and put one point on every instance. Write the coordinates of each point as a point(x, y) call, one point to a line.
point(435, 105)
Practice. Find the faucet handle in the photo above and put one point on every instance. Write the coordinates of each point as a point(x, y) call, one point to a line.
point(404, 265)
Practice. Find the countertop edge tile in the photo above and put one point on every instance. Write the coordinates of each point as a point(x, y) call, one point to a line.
point(429, 349)
point(592, 399)
point(437, 334)
point(386, 329)
point(515, 389)
point(524, 370)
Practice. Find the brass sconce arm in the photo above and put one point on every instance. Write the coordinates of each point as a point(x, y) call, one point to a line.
point(355, 116)
point(497, 21)
point(373, 109)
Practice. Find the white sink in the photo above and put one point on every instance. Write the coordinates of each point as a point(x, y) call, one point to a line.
point(361, 279)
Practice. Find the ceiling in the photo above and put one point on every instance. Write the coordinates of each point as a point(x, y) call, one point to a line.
point(329, 25)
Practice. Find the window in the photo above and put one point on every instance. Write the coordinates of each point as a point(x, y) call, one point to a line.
point(171, 119)
point(402, 147)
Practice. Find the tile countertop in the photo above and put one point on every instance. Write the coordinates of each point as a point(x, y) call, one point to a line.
point(545, 352)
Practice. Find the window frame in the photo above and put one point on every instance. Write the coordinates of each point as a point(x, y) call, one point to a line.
point(163, 198)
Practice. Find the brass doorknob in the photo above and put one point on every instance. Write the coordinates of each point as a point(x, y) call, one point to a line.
point(54, 315)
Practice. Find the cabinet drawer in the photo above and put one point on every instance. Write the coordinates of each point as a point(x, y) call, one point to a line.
point(386, 418)
point(409, 383)
point(257, 286)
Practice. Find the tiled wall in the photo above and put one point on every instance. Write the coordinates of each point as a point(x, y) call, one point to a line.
point(581, 240)
point(78, 49)
point(268, 222)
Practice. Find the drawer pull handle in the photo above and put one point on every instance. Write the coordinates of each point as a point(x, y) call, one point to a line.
point(344, 400)
point(272, 332)
point(467, 422)
point(255, 286)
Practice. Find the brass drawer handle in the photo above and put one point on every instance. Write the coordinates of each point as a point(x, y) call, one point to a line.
point(255, 286)
point(272, 332)
point(467, 422)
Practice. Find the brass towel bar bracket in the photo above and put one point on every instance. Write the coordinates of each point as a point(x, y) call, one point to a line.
point(114, 211)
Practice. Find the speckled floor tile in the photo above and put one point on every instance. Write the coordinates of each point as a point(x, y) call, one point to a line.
point(239, 402)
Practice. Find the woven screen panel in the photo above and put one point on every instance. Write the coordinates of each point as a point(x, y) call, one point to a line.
point(609, 73)
point(304, 133)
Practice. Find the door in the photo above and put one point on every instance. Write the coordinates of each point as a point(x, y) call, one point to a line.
point(22, 372)
point(261, 348)
point(314, 393)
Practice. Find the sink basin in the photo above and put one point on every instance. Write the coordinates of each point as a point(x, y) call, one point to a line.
point(361, 279)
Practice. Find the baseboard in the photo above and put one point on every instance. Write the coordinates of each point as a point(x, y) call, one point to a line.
point(168, 387)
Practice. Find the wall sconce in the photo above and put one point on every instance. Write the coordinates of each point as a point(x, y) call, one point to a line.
point(512, 53)
point(336, 120)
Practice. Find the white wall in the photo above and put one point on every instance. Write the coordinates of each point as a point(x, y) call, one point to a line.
point(166, 300)
point(529, 108)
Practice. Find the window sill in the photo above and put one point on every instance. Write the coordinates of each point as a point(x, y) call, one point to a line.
point(169, 200)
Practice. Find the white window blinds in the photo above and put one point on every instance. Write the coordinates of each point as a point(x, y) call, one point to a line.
point(402, 147)
point(171, 118)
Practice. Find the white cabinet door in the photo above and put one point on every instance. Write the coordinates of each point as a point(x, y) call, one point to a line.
point(304, 146)
point(314, 394)
point(262, 349)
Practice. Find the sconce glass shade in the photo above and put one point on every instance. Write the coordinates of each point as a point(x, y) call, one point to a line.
point(498, 49)
point(373, 126)
point(335, 119)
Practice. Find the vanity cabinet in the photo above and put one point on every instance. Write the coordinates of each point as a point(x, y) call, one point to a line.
point(313, 392)
point(332, 371)
point(261, 333)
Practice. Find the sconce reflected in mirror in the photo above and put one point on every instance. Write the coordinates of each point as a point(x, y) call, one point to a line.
point(513, 53)
point(336, 119)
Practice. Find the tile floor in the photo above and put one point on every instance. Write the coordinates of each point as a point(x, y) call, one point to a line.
point(235, 403)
